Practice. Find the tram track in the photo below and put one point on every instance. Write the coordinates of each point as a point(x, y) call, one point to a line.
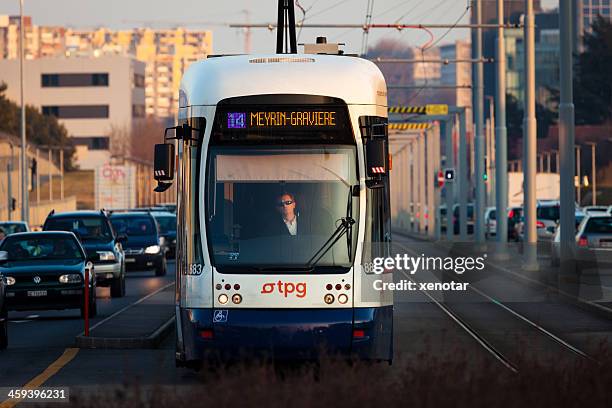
point(481, 338)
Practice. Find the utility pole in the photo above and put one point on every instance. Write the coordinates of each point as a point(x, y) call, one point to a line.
point(9, 184)
point(579, 174)
point(447, 127)
point(25, 213)
point(463, 181)
point(501, 135)
point(566, 138)
point(478, 134)
point(530, 142)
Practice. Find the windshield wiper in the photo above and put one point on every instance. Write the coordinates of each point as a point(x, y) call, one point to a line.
point(345, 227)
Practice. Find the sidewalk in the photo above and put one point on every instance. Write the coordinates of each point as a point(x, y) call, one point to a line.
point(142, 325)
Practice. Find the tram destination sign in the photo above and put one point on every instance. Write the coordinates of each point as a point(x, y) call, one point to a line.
point(297, 118)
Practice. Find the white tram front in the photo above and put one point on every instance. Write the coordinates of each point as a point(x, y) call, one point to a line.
point(283, 199)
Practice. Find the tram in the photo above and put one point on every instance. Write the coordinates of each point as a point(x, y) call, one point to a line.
point(282, 171)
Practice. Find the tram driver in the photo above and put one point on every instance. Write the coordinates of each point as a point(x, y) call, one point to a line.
point(286, 207)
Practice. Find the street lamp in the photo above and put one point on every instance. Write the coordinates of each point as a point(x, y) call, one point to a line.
point(24, 166)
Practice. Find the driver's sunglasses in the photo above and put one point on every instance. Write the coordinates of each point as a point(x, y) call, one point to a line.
point(283, 203)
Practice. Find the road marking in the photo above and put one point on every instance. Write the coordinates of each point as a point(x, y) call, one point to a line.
point(68, 355)
point(142, 299)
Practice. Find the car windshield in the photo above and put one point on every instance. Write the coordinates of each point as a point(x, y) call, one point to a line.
point(13, 227)
point(275, 208)
point(470, 211)
point(132, 226)
point(41, 248)
point(166, 224)
point(599, 225)
point(550, 213)
point(86, 228)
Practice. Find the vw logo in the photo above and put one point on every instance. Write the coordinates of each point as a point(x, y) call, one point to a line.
point(37, 279)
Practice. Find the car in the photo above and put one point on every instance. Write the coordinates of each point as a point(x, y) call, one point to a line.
point(46, 271)
point(144, 248)
point(166, 221)
point(470, 218)
point(11, 227)
point(547, 217)
point(490, 222)
point(555, 251)
point(596, 209)
point(95, 231)
point(515, 214)
point(3, 314)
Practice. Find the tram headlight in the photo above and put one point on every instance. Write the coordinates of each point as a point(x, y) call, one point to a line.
point(329, 298)
point(236, 298)
point(223, 298)
point(342, 298)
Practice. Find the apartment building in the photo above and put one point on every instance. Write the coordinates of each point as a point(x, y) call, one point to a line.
point(94, 98)
point(167, 53)
point(454, 74)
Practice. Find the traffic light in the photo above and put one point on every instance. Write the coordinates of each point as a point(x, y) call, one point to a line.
point(485, 177)
point(13, 204)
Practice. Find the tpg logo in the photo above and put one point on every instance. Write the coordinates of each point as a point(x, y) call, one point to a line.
point(286, 288)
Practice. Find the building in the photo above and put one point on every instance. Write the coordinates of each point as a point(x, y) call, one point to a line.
point(590, 9)
point(457, 73)
point(98, 100)
point(167, 53)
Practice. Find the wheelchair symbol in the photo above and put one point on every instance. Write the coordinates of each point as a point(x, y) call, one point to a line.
point(220, 316)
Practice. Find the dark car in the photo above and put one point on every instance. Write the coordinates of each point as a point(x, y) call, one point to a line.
point(470, 218)
point(46, 270)
point(94, 230)
point(166, 222)
point(144, 247)
point(3, 314)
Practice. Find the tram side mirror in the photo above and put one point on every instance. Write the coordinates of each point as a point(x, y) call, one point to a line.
point(376, 162)
point(163, 166)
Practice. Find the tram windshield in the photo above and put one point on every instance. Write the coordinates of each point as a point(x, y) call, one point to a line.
point(274, 209)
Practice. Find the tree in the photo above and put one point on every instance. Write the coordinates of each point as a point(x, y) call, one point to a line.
point(593, 79)
point(40, 129)
point(514, 122)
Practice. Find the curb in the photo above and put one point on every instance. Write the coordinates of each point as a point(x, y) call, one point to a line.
point(150, 342)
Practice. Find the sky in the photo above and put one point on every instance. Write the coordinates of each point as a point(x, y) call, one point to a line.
point(215, 14)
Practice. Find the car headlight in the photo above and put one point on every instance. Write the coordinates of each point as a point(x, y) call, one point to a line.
point(153, 249)
point(70, 278)
point(106, 255)
point(10, 280)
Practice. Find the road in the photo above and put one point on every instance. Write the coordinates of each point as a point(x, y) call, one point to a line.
point(499, 319)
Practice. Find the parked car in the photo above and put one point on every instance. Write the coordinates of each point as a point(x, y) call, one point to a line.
point(46, 270)
point(555, 251)
point(3, 314)
point(144, 248)
point(11, 227)
point(166, 222)
point(94, 230)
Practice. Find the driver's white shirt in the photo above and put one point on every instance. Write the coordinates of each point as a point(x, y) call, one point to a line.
point(291, 225)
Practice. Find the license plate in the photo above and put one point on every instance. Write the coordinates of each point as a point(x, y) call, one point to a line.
point(37, 293)
point(130, 260)
point(606, 244)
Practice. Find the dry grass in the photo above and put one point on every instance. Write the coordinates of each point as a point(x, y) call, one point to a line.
point(457, 380)
point(78, 183)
